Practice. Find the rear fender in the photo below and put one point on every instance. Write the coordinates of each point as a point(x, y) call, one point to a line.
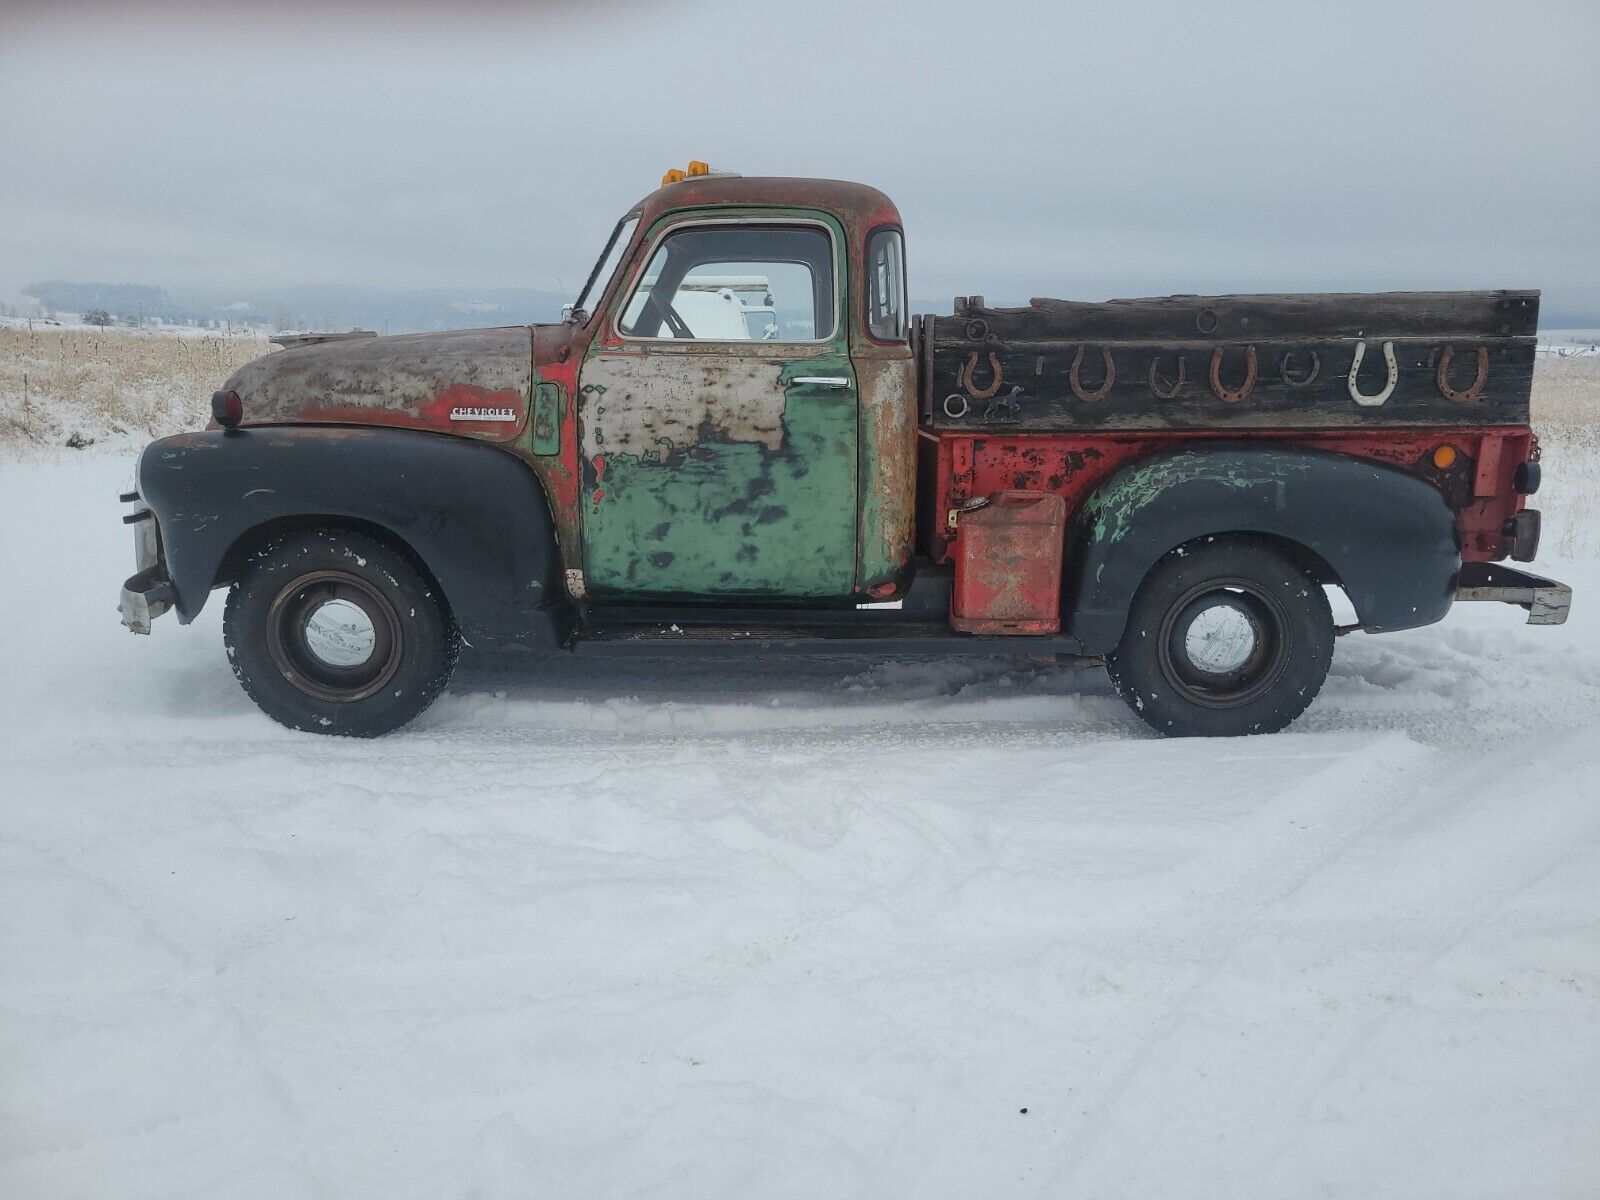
point(1385, 536)
point(474, 515)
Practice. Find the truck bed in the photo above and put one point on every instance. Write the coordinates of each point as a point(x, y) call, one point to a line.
point(1243, 362)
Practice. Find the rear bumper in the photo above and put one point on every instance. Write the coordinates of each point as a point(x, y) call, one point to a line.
point(1546, 601)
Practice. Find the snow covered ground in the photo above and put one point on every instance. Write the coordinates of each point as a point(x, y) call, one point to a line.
point(785, 928)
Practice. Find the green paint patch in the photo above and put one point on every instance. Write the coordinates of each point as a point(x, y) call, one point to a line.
point(733, 518)
point(1112, 509)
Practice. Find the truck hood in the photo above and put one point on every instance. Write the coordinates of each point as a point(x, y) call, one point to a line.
point(469, 381)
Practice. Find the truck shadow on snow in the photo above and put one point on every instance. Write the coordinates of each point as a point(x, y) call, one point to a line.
point(807, 680)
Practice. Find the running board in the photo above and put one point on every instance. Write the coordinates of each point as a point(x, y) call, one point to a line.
point(867, 639)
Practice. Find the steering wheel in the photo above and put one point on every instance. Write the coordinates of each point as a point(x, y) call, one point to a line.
point(669, 316)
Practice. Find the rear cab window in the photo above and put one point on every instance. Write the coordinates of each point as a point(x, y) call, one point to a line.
point(886, 285)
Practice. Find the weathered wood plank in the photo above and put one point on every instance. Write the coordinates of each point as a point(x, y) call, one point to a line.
point(1035, 349)
point(1243, 317)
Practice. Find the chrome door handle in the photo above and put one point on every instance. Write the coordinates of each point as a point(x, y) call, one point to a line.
point(832, 381)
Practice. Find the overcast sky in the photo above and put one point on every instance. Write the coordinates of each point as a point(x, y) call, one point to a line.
point(1075, 150)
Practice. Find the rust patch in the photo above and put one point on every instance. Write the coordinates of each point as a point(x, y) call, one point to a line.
point(475, 382)
point(888, 466)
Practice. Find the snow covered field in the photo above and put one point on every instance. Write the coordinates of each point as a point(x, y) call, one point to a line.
point(769, 929)
point(786, 929)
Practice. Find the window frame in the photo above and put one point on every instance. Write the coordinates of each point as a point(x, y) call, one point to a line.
point(867, 285)
point(615, 241)
point(625, 296)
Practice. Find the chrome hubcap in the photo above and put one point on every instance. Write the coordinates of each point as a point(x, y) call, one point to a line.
point(1220, 639)
point(340, 634)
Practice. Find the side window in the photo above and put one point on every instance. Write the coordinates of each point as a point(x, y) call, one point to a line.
point(886, 285)
point(606, 267)
point(735, 283)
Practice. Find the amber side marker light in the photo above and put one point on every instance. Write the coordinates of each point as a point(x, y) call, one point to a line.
point(1444, 457)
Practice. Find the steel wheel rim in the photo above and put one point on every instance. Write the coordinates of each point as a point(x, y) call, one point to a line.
point(1242, 667)
point(312, 626)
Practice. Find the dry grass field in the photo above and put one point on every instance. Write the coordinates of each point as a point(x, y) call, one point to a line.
point(71, 386)
point(1566, 415)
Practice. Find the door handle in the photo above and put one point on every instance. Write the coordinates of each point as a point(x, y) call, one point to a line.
point(832, 381)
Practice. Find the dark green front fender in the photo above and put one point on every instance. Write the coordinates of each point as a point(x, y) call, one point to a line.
point(473, 515)
point(1386, 537)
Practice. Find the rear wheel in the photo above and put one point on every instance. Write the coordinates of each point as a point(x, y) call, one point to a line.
point(331, 631)
point(1226, 636)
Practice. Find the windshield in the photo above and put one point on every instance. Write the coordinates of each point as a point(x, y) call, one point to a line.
point(605, 267)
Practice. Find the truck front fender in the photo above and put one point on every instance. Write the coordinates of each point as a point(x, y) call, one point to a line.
point(1386, 537)
point(474, 515)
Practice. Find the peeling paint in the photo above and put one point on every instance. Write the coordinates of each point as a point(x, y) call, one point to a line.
point(888, 468)
point(1113, 507)
point(722, 477)
point(415, 381)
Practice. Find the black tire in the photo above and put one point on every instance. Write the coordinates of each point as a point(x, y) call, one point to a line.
point(1226, 636)
point(331, 631)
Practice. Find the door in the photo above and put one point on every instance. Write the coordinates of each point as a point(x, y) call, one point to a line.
point(718, 419)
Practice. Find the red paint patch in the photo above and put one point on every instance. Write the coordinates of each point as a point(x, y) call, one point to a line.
point(1074, 465)
point(1008, 571)
point(434, 415)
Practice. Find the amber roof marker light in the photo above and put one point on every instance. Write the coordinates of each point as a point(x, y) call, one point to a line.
point(695, 170)
point(1445, 457)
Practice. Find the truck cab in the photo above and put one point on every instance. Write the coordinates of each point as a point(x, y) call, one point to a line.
point(711, 466)
point(738, 439)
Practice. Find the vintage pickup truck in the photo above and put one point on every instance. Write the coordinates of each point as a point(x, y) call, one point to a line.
point(1169, 486)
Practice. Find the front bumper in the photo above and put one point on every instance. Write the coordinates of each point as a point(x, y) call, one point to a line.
point(148, 591)
point(1546, 600)
point(144, 598)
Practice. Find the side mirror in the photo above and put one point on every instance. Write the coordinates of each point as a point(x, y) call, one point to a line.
point(566, 310)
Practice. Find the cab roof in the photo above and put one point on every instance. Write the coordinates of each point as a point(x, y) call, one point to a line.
point(858, 206)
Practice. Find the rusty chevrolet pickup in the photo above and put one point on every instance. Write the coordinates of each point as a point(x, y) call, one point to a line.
point(739, 439)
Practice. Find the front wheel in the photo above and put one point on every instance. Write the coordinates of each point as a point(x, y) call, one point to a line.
point(331, 631)
point(1226, 636)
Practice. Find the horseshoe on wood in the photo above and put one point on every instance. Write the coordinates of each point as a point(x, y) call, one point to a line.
point(1376, 398)
point(966, 376)
point(1105, 384)
point(1470, 393)
point(1300, 380)
point(1227, 394)
point(1155, 388)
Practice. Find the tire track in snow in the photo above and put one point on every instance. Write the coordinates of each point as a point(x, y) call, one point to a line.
point(1223, 1060)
